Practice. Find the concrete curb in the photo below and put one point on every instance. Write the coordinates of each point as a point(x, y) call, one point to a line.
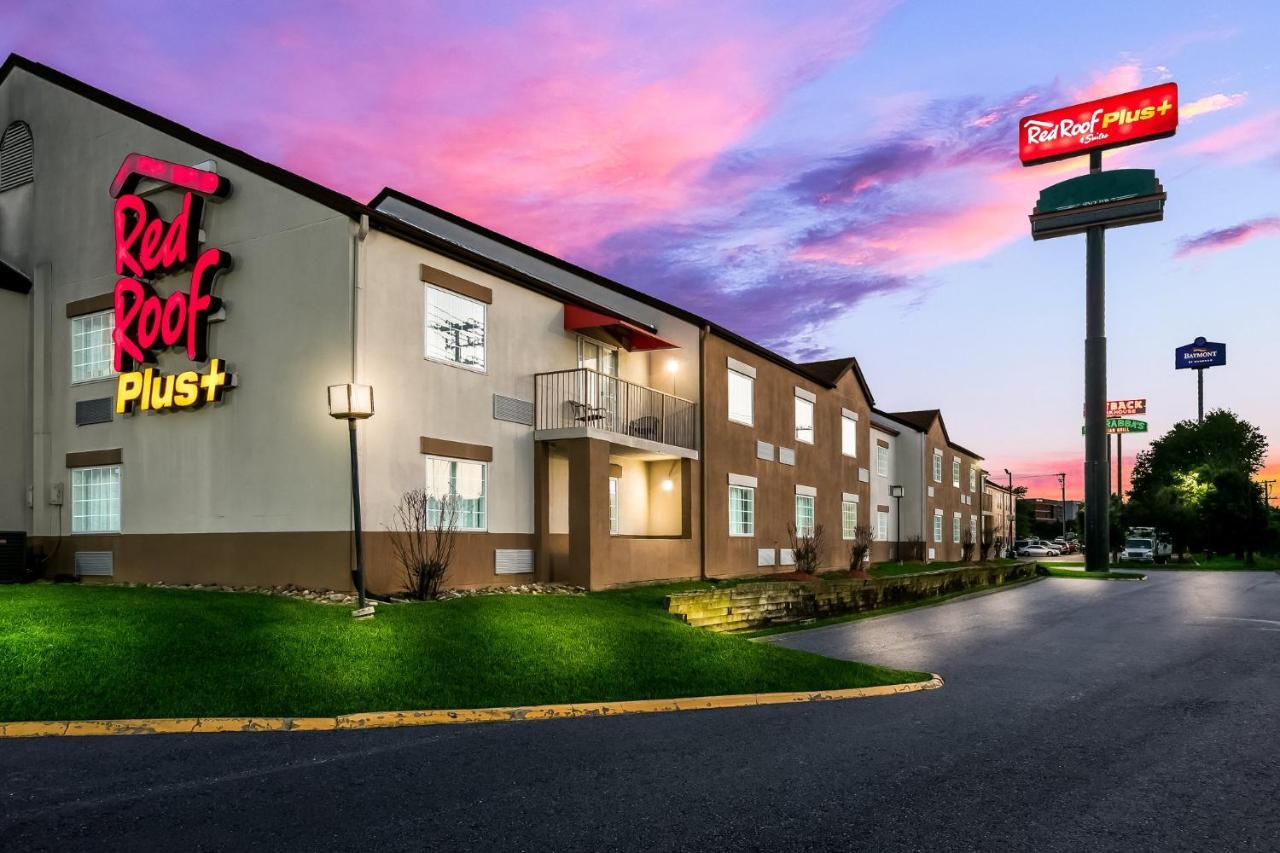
point(396, 719)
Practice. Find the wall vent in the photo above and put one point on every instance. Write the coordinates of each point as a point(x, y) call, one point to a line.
point(764, 450)
point(94, 564)
point(513, 561)
point(93, 411)
point(512, 410)
point(787, 455)
point(17, 156)
point(786, 557)
point(764, 557)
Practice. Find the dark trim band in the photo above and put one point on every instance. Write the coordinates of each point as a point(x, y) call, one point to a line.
point(92, 458)
point(457, 284)
point(454, 449)
point(91, 305)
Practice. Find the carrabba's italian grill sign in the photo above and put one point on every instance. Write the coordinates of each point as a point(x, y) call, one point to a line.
point(1109, 122)
point(147, 249)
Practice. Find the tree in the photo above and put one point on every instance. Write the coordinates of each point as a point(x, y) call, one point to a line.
point(966, 545)
point(423, 533)
point(860, 546)
point(809, 547)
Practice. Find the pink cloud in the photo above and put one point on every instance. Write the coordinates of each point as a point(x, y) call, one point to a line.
point(1113, 81)
point(1211, 104)
point(1225, 238)
point(1246, 141)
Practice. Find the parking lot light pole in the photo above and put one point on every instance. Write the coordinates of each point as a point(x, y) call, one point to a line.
point(895, 492)
point(352, 402)
point(1012, 507)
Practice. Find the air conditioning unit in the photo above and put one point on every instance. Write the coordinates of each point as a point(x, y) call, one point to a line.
point(13, 555)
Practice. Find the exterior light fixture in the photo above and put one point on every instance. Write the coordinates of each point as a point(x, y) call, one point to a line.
point(672, 365)
point(668, 484)
point(896, 492)
point(352, 402)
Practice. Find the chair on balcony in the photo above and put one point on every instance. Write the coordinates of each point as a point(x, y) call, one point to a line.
point(584, 414)
point(647, 426)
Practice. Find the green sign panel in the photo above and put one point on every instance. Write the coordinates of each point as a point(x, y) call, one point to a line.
point(1098, 188)
point(1123, 425)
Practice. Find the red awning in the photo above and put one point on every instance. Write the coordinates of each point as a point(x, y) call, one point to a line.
point(625, 332)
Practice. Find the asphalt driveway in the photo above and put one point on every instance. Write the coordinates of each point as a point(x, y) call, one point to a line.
point(1078, 715)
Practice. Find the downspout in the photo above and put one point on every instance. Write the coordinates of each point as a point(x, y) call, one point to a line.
point(702, 448)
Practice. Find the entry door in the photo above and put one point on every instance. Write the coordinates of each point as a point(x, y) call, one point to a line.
point(602, 390)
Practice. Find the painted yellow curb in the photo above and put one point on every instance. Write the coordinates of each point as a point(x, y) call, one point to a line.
point(394, 719)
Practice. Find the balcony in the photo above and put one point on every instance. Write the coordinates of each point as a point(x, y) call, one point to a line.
point(582, 401)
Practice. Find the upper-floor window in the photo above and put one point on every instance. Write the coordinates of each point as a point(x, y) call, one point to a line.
point(937, 467)
point(804, 515)
point(91, 346)
point(804, 420)
point(456, 493)
point(937, 527)
point(17, 156)
point(955, 471)
point(455, 328)
point(741, 398)
point(95, 499)
point(848, 435)
point(742, 511)
point(882, 461)
point(973, 478)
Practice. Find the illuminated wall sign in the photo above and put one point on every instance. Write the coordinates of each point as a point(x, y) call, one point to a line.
point(146, 249)
point(1200, 353)
point(1105, 123)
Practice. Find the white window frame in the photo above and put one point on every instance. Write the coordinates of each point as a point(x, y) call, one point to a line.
point(615, 506)
point(882, 461)
point(847, 530)
point(750, 417)
point(937, 466)
point(750, 529)
point(937, 527)
point(484, 488)
point(79, 496)
point(955, 528)
point(882, 526)
point(101, 371)
point(849, 436)
point(809, 501)
point(955, 472)
point(805, 436)
point(483, 367)
point(973, 478)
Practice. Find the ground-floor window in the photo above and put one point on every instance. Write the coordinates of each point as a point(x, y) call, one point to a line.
point(804, 515)
point(95, 499)
point(461, 483)
point(882, 525)
point(742, 511)
point(937, 527)
point(615, 518)
point(955, 528)
point(849, 518)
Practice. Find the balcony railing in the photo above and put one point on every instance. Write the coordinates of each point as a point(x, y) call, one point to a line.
point(565, 399)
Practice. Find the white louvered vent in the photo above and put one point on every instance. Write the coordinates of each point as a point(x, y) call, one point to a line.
point(787, 455)
point(933, 553)
point(94, 564)
point(764, 557)
point(764, 450)
point(17, 156)
point(512, 561)
point(786, 557)
point(512, 410)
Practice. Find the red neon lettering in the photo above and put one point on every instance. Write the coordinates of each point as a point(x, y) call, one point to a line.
point(147, 246)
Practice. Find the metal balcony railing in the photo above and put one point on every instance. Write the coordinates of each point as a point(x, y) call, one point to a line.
point(587, 398)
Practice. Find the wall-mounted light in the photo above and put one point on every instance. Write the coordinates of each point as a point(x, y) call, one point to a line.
point(672, 365)
point(668, 484)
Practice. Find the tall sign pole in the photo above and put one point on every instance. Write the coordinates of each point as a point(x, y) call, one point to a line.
point(1199, 395)
point(1090, 204)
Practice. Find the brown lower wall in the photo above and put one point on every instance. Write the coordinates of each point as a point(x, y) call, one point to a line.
point(758, 605)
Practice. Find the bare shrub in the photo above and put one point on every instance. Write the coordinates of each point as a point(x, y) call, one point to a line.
point(913, 549)
point(809, 547)
point(988, 545)
point(424, 541)
point(860, 546)
point(966, 545)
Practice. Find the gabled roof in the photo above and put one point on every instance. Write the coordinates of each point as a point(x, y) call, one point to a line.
point(12, 278)
point(833, 370)
point(922, 419)
point(302, 186)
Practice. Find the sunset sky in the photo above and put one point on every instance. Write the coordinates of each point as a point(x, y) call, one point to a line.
point(827, 178)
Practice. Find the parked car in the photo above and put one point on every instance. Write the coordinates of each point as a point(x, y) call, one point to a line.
point(1038, 549)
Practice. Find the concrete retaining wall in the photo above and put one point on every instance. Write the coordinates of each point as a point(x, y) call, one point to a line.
point(757, 605)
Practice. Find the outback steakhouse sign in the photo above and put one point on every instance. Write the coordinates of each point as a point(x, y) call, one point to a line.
point(1105, 123)
point(148, 248)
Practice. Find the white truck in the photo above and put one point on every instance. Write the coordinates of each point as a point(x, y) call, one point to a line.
point(1146, 545)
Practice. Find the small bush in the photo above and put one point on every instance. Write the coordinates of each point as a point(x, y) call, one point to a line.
point(859, 546)
point(809, 547)
point(423, 533)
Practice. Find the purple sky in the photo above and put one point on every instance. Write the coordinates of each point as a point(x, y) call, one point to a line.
point(827, 178)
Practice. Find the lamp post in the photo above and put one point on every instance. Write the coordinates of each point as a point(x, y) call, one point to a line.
point(1012, 511)
point(895, 492)
point(352, 402)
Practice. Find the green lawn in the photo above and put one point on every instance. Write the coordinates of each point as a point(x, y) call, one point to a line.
point(1218, 564)
point(84, 652)
point(1079, 574)
point(889, 570)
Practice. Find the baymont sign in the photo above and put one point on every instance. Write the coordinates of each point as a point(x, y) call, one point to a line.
point(1105, 123)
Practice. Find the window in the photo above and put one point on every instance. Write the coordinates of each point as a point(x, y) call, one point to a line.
point(882, 525)
point(937, 527)
point(848, 435)
point(973, 478)
point(95, 499)
point(804, 515)
point(848, 518)
point(455, 328)
point(804, 420)
point(973, 528)
point(955, 528)
point(460, 484)
point(882, 461)
point(742, 511)
point(741, 393)
point(937, 467)
point(955, 471)
point(615, 519)
point(91, 346)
